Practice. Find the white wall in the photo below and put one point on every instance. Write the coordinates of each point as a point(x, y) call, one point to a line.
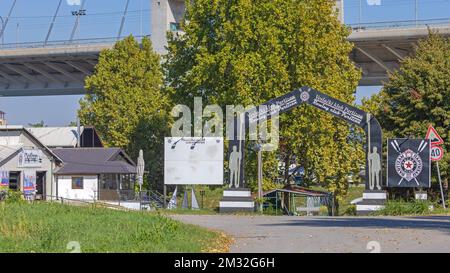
point(340, 6)
point(12, 164)
point(163, 12)
point(89, 191)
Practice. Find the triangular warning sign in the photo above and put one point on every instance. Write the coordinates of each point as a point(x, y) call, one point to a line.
point(434, 136)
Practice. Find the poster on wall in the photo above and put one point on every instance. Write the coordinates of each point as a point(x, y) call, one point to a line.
point(29, 182)
point(409, 163)
point(30, 158)
point(193, 161)
point(4, 179)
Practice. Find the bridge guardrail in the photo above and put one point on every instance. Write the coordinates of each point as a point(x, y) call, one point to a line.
point(440, 22)
point(58, 43)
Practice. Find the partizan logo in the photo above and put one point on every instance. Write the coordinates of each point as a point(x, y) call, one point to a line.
point(409, 166)
point(304, 96)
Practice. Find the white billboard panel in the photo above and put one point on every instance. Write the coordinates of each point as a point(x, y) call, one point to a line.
point(193, 161)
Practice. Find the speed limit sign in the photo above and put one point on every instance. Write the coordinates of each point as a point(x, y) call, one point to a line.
point(437, 153)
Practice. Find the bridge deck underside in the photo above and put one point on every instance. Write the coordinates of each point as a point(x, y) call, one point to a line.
point(34, 76)
point(377, 59)
point(62, 70)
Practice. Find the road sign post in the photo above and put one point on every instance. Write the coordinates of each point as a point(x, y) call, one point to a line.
point(436, 154)
point(440, 184)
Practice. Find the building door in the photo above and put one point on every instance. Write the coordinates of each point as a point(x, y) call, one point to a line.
point(40, 185)
point(14, 181)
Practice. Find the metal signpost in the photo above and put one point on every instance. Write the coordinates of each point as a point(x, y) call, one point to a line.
point(437, 152)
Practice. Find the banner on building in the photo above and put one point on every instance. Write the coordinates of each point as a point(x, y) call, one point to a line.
point(4, 179)
point(29, 182)
point(30, 158)
point(409, 163)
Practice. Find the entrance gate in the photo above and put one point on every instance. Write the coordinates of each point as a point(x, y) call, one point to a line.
point(373, 195)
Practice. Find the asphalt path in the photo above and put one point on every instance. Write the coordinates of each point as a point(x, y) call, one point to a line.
point(270, 234)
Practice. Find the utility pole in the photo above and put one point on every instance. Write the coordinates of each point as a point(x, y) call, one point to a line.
point(260, 178)
point(360, 13)
point(17, 33)
point(1, 30)
point(416, 10)
point(140, 20)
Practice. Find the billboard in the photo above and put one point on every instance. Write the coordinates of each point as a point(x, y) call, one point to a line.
point(193, 161)
point(409, 164)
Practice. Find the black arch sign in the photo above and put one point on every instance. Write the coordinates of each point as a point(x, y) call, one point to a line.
point(325, 103)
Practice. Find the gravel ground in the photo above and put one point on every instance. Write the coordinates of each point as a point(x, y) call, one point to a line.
point(330, 234)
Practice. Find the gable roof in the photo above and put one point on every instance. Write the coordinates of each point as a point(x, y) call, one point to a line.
point(56, 136)
point(94, 161)
point(6, 151)
point(36, 141)
point(66, 136)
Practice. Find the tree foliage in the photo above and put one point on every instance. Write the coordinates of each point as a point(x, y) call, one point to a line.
point(126, 101)
point(249, 51)
point(418, 94)
point(38, 124)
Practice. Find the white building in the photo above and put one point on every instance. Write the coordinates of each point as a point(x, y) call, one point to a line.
point(43, 172)
point(23, 158)
point(95, 174)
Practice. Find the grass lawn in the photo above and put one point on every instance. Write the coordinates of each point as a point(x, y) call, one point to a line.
point(352, 194)
point(49, 227)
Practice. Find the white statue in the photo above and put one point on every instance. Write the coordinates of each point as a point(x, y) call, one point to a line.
point(233, 165)
point(374, 169)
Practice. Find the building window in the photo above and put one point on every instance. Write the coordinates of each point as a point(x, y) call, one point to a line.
point(175, 27)
point(77, 183)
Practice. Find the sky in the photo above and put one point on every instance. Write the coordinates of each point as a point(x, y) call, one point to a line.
point(30, 20)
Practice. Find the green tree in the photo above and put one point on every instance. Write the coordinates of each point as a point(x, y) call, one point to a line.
point(126, 102)
point(37, 124)
point(417, 95)
point(249, 51)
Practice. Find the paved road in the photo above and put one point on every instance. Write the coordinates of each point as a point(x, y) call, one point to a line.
point(326, 234)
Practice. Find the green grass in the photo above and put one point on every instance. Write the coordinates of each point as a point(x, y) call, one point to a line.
point(397, 207)
point(353, 192)
point(211, 199)
point(344, 205)
point(49, 227)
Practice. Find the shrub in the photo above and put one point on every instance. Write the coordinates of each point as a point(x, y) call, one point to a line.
point(404, 208)
point(10, 196)
point(350, 211)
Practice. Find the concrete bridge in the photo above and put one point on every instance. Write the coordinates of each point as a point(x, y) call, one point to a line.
point(59, 67)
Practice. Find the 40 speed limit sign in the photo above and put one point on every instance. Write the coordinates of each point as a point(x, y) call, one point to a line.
point(436, 153)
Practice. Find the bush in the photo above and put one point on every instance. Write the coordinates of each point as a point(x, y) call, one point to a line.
point(350, 211)
point(404, 208)
point(10, 196)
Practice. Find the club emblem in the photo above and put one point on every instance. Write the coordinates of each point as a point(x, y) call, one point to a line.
point(408, 165)
point(304, 96)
